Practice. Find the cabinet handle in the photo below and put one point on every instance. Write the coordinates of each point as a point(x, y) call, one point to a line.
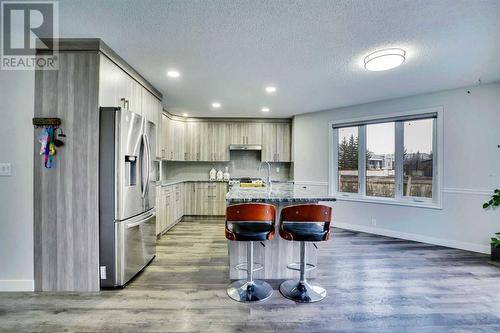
point(212, 196)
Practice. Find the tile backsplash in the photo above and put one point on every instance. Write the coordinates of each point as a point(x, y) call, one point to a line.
point(243, 163)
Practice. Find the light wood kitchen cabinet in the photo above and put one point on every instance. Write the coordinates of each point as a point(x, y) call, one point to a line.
point(192, 141)
point(205, 198)
point(214, 144)
point(117, 88)
point(175, 137)
point(159, 210)
point(165, 132)
point(159, 129)
point(246, 133)
point(170, 207)
point(276, 140)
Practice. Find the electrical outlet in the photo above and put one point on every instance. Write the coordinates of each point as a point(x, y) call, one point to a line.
point(374, 222)
point(277, 169)
point(5, 169)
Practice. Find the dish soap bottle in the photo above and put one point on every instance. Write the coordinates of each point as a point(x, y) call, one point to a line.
point(226, 174)
point(212, 174)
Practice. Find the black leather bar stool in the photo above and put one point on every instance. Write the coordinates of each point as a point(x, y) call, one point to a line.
point(248, 223)
point(304, 223)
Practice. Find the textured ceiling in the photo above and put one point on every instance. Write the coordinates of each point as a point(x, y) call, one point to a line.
point(312, 50)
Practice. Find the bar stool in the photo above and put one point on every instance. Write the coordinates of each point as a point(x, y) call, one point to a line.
point(304, 223)
point(248, 223)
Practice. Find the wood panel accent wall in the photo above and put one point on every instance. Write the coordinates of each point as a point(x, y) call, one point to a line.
point(66, 214)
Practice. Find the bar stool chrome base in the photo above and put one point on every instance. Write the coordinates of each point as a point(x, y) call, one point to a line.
point(244, 291)
point(302, 291)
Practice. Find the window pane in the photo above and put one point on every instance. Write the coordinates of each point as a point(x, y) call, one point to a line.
point(380, 164)
point(417, 167)
point(348, 159)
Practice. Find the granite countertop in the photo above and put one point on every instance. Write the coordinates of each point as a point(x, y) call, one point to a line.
point(276, 193)
point(173, 182)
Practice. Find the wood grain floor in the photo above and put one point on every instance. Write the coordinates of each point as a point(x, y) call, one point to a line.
point(374, 283)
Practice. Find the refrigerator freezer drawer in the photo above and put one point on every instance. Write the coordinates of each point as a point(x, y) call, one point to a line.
point(135, 245)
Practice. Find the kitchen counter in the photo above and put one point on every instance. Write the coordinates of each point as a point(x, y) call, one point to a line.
point(277, 193)
point(173, 182)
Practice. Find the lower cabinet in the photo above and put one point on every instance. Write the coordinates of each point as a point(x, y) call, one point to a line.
point(169, 207)
point(205, 198)
point(188, 198)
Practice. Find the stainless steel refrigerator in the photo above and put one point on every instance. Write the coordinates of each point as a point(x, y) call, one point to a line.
point(127, 218)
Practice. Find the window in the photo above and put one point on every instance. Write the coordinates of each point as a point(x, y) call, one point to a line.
point(348, 160)
point(390, 159)
point(418, 164)
point(380, 160)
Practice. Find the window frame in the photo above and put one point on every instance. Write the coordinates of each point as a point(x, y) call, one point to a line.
point(399, 199)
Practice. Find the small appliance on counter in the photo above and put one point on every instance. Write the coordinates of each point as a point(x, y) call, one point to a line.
point(247, 182)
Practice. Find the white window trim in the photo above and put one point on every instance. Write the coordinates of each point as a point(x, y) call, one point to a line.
point(399, 200)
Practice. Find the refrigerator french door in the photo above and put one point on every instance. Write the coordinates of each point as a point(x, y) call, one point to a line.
point(127, 218)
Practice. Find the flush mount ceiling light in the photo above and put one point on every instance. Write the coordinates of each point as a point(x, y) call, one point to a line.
point(385, 59)
point(173, 74)
point(184, 114)
point(265, 109)
point(270, 89)
point(216, 105)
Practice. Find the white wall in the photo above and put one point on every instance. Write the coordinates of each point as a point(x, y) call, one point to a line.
point(471, 169)
point(16, 192)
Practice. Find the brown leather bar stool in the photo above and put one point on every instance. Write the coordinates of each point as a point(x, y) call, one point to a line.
point(304, 223)
point(249, 223)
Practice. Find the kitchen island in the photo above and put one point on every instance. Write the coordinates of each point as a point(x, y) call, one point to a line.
point(277, 253)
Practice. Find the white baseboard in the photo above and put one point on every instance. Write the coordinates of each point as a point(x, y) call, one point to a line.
point(17, 285)
point(414, 237)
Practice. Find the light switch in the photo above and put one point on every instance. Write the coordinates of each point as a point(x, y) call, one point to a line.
point(5, 170)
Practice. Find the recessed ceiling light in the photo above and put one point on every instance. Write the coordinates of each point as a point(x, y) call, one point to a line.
point(173, 74)
point(216, 105)
point(385, 59)
point(265, 109)
point(270, 89)
point(184, 114)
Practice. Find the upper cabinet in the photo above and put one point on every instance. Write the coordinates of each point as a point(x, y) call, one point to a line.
point(117, 88)
point(276, 141)
point(209, 141)
point(172, 139)
point(246, 133)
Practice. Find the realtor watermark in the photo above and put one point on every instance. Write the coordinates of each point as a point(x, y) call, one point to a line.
point(24, 25)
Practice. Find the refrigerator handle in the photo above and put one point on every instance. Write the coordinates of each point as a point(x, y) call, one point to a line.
point(148, 179)
point(145, 219)
point(144, 180)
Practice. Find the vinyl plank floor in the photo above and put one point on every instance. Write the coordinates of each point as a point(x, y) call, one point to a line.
point(374, 284)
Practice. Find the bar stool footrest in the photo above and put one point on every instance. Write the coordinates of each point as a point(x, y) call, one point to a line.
point(295, 266)
point(243, 267)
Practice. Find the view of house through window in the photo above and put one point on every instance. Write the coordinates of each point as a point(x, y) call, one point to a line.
point(387, 159)
point(418, 163)
point(348, 159)
point(380, 163)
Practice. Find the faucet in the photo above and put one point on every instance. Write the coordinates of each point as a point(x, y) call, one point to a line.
point(268, 180)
